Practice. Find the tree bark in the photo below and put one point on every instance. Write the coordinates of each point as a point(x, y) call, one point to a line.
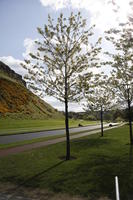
point(101, 117)
point(130, 120)
point(67, 131)
point(66, 118)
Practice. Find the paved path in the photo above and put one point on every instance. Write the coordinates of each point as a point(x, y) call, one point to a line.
point(27, 147)
point(29, 136)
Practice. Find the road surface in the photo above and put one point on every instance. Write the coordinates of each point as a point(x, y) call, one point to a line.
point(29, 136)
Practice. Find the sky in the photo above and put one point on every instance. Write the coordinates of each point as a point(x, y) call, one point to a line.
point(19, 20)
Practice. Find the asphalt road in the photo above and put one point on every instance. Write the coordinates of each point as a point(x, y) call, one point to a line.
point(29, 136)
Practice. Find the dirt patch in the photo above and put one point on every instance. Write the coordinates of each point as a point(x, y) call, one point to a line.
point(9, 191)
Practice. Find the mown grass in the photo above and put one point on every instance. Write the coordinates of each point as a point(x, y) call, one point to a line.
point(11, 126)
point(91, 174)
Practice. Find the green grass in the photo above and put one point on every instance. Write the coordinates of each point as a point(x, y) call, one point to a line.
point(11, 126)
point(91, 175)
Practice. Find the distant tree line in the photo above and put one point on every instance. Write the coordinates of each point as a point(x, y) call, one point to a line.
point(109, 116)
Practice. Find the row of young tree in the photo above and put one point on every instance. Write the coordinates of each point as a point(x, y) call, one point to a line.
point(63, 65)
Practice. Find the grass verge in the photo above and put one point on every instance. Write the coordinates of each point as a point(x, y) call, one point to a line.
point(91, 174)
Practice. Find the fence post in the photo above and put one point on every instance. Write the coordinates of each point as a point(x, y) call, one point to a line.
point(117, 188)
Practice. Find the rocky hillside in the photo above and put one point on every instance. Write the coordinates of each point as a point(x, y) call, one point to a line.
point(17, 101)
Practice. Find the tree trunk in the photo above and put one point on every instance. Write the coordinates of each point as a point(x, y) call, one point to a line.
point(67, 131)
point(66, 118)
point(101, 117)
point(130, 122)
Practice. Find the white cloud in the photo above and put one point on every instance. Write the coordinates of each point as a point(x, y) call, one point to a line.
point(30, 46)
point(56, 4)
point(104, 13)
point(76, 107)
point(14, 64)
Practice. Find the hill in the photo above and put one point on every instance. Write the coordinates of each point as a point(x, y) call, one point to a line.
point(17, 101)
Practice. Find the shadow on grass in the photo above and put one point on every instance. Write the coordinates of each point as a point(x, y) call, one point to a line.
point(31, 179)
point(83, 144)
point(91, 174)
point(98, 172)
point(93, 177)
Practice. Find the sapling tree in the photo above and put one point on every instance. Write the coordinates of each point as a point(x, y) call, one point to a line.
point(122, 64)
point(63, 55)
point(99, 96)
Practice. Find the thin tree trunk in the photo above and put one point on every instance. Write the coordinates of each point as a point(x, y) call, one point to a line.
point(101, 117)
point(130, 118)
point(67, 131)
point(130, 122)
point(66, 118)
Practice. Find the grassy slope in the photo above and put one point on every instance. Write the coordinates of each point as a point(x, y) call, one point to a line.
point(18, 102)
point(92, 174)
point(10, 126)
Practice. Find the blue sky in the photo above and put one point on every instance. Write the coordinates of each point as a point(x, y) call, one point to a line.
point(20, 18)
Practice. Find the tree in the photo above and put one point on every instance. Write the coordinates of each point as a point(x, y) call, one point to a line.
point(99, 96)
point(122, 64)
point(63, 55)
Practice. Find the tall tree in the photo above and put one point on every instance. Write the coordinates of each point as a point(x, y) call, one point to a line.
point(122, 64)
point(63, 54)
point(99, 96)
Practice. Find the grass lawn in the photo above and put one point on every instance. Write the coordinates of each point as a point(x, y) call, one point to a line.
point(91, 174)
point(11, 126)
